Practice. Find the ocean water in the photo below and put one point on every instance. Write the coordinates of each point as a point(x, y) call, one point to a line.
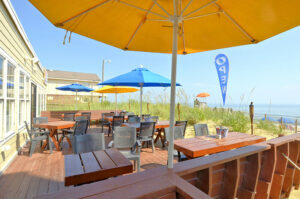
point(275, 110)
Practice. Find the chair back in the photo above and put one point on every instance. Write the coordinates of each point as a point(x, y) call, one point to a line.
point(40, 120)
point(124, 137)
point(201, 129)
point(88, 114)
point(69, 116)
point(152, 119)
point(117, 121)
point(144, 116)
point(83, 117)
point(133, 119)
point(81, 127)
point(130, 113)
point(104, 115)
point(28, 130)
point(147, 129)
point(122, 113)
point(178, 133)
point(181, 123)
point(88, 143)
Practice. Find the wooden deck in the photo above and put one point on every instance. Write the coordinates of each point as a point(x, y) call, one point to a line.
point(42, 173)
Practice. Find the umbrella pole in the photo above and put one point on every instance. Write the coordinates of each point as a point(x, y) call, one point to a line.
point(116, 102)
point(141, 101)
point(76, 101)
point(173, 91)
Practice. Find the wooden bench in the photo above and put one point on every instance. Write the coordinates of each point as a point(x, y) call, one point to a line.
point(96, 115)
point(246, 172)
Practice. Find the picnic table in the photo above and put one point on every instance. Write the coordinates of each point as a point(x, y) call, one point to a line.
point(159, 126)
point(53, 127)
point(204, 145)
point(94, 166)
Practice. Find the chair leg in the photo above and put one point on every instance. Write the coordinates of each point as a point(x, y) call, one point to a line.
point(49, 144)
point(153, 147)
point(32, 147)
point(138, 165)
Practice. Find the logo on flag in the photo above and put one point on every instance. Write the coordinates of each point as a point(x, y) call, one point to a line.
point(222, 66)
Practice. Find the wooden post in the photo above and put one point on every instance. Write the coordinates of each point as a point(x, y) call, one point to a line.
point(265, 117)
point(178, 108)
point(296, 125)
point(148, 107)
point(281, 123)
point(129, 105)
point(251, 111)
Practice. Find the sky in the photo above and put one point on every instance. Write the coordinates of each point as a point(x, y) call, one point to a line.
point(265, 73)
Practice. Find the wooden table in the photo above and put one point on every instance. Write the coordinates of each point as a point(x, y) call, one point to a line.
point(204, 145)
point(159, 126)
point(110, 118)
point(53, 127)
point(94, 166)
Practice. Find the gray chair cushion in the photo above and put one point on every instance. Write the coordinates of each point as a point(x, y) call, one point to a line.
point(88, 143)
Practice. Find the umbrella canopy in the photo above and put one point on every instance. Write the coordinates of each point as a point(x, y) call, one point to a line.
point(116, 90)
point(75, 88)
point(203, 95)
point(173, 26)
point(139, 77)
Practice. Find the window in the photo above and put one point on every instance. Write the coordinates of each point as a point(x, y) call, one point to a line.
point(1, 98)
point(10, 102)
point(27, 97)
point(22, 102)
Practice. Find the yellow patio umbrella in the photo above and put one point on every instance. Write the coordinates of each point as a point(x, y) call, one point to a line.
point(173, 26)
point(116, 90)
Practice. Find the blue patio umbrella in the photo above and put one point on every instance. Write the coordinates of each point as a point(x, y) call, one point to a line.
point(75, 88)
point(271, 119)
point(286, 120)
point(8, 84)
point(139, 77)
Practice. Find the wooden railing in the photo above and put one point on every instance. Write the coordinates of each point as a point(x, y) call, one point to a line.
point(96, 115)
point(256, 171)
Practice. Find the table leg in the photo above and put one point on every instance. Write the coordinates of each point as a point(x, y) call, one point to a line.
point(52, 136)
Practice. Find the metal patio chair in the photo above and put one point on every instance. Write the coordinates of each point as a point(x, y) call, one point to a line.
point(69, 117)
point(125, 140)
point(178, 134)
point(146, 133)
point(201, 129)
point(88, 143)
point(181, 123)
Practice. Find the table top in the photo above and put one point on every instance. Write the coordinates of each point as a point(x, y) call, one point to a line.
point(204, 145)
point(94, 166)
point(158, 125)
point(56, 125)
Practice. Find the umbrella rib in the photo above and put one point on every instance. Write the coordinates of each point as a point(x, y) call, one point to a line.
point(202, 7)
point(204, 15)
point(186, 7)
point(236, 24)
point(155, 1)
point(83, 12)
point(142, 9)
point(139, 26)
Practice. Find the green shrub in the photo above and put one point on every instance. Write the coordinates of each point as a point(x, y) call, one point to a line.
point(236, 121)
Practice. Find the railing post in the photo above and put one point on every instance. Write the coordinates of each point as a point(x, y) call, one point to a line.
point(265, 117)
point(296, 125)
point(178, 108)
point(251, 111)
point(148, 107)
